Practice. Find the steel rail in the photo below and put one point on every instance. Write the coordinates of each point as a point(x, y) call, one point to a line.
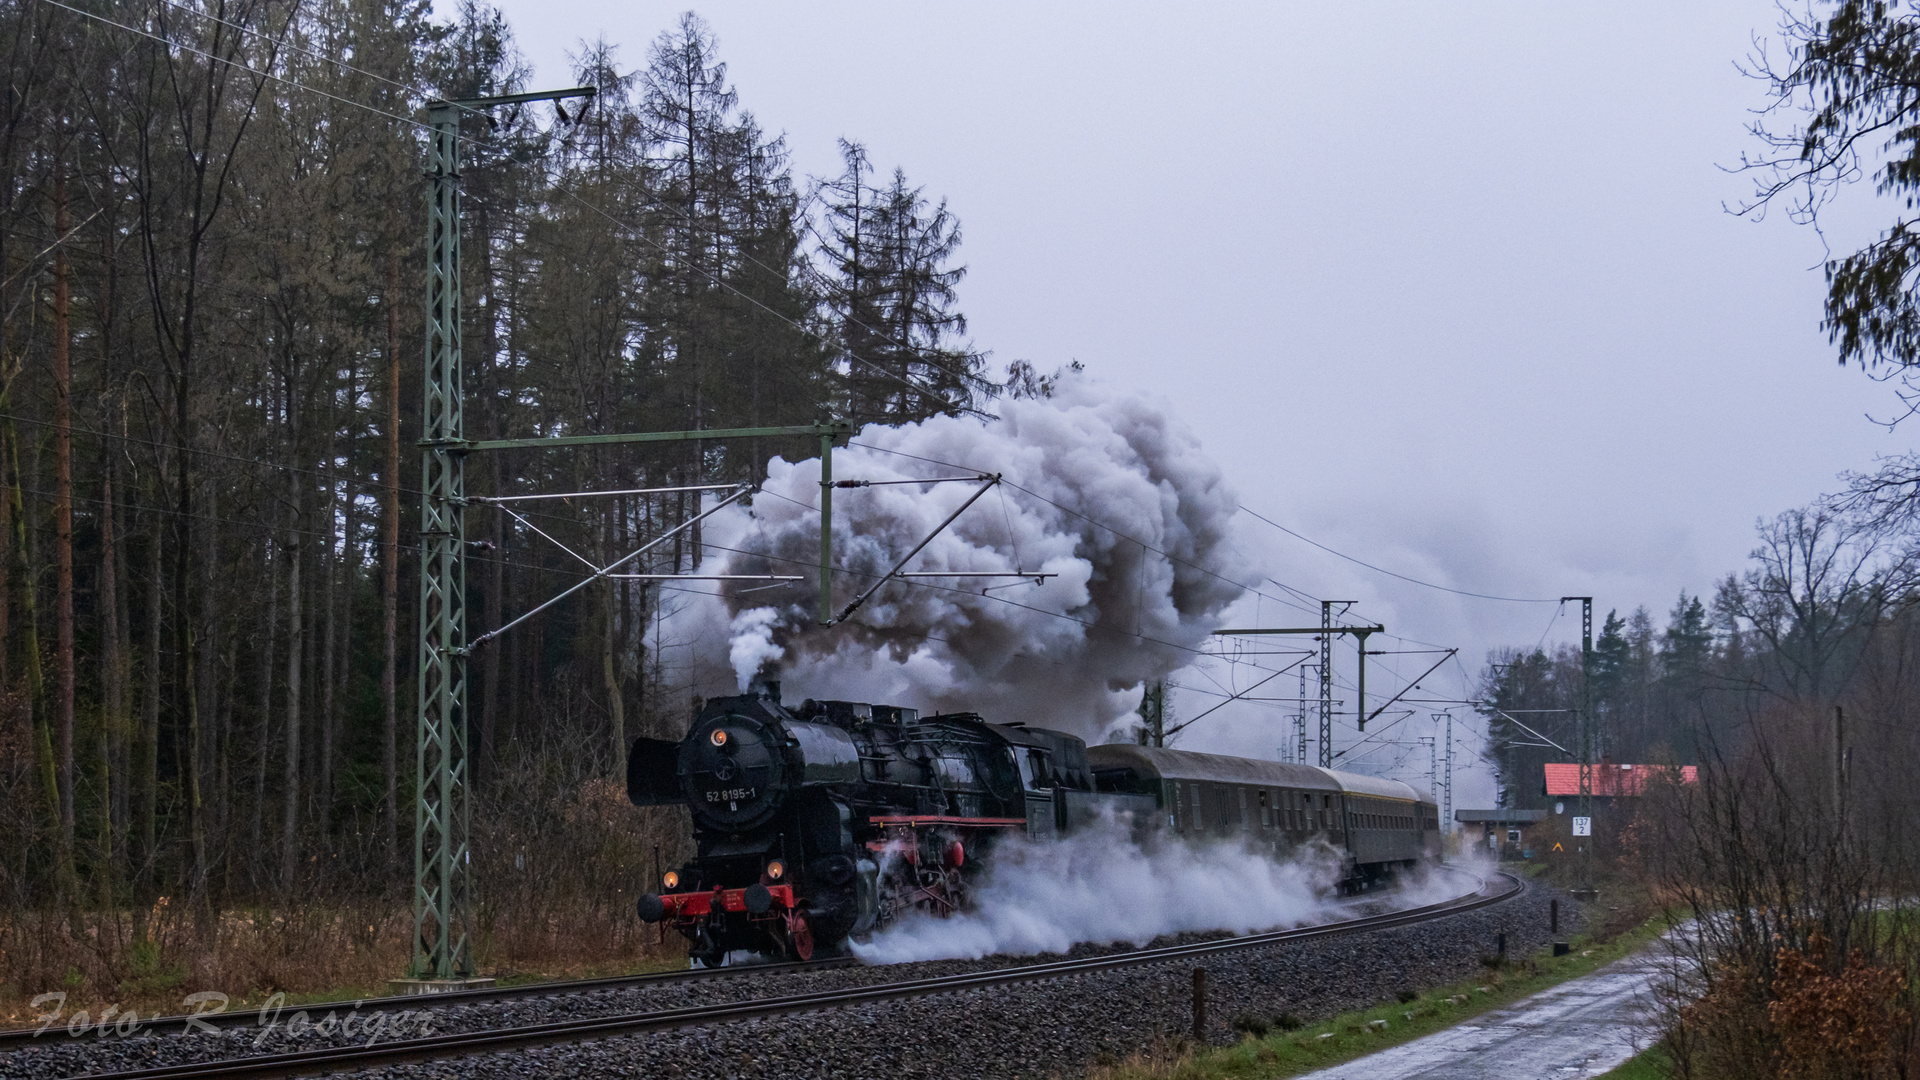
point(438, 1047)
point(10, 1038)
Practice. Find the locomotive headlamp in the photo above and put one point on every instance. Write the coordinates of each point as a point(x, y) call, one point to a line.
point(672, 880)
point(719, 737)
point(776, 869)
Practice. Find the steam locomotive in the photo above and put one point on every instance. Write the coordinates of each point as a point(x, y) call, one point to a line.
point(833, 818)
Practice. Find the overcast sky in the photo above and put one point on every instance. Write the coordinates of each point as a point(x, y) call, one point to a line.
point(1449, 288)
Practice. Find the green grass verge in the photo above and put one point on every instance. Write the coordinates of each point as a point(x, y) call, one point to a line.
point(1650, 1064)
point(1350, 1035)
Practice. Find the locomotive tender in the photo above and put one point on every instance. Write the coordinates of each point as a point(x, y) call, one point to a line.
point(832, 818)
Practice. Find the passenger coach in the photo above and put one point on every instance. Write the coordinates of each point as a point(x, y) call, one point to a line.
point(1379, 825)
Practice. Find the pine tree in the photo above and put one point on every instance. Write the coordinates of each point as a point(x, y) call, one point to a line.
point(892, 293)
point(1609, 657)
point(1688, 639)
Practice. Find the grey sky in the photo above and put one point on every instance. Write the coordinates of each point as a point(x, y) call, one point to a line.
point(1447, 287)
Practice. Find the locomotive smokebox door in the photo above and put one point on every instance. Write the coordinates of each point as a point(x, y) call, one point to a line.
point(733, 772)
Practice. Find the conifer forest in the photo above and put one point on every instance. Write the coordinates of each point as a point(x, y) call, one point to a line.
point(212, 260)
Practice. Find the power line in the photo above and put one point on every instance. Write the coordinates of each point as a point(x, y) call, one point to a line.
point(639, 234)
point(921, 584)
point(1099, 524)
point(723, 283)
point(234, 63)
point(284, 43)
point(321, 474)
point(1390, 573)
point(1089, 520)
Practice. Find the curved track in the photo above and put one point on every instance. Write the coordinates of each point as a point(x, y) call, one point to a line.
point(334, 1059)
point(13, 1038)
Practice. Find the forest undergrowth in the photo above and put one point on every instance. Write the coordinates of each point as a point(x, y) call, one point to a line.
point(556, 900)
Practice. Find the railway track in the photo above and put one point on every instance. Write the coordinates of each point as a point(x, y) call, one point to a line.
point(333, 1059)
point(13, 1038)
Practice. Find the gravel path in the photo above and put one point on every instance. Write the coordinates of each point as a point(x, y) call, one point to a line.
point(1582, 1028)
point(1022, 1030)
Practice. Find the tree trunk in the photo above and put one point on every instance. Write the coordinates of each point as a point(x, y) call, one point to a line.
point(113, 689)
point(610, 649)
point(115, 628)
point(209, 733)
point(63, 516)
point(6, 562)
point(330, 594)
point(343, 650)
point(222, 770)
point(290, 824)
point(257, 826)
point(146, 767)
point(390, 578)
point(30, 633)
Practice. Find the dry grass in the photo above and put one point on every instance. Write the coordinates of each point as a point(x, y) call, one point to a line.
point(555, 901)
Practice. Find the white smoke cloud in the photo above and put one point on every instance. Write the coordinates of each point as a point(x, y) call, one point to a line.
point(1097, 886)
point(1106, 483)
point(751, 646)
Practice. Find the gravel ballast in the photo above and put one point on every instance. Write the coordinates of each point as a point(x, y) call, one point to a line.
point(1020, 1030)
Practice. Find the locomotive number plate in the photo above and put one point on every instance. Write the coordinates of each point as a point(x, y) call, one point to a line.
point(741, 794)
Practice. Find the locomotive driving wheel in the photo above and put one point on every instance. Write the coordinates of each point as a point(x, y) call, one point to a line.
point(799, 935)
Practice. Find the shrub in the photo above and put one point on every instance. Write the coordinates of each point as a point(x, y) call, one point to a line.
point(1250, 1024)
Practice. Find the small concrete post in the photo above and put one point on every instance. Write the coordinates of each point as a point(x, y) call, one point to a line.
point(1200, 1005)
point(1553, 916)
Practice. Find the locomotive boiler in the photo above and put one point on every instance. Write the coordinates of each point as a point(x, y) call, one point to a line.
point(830, 819)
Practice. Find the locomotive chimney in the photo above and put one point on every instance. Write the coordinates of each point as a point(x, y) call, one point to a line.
point(766, 683)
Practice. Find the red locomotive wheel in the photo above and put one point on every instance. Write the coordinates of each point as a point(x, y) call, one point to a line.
point(799, 936)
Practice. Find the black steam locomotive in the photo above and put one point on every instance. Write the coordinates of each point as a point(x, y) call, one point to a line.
point(831, 819)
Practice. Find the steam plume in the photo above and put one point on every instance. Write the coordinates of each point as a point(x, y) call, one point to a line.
point(1096, 886)
point(1106, 483)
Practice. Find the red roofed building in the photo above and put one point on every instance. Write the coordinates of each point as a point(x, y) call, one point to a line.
point(1610, 780)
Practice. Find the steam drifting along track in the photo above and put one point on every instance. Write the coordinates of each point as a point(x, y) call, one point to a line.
point(572, 1031)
